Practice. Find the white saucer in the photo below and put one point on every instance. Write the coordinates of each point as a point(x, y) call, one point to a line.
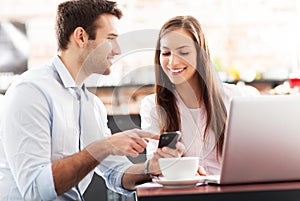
point(183, 182)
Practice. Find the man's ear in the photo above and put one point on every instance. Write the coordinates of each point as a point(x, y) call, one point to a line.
point(80, 37)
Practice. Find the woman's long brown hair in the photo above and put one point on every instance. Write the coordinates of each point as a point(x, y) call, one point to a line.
point(168, 112)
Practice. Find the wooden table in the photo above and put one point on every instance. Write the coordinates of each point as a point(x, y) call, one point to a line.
point(283, 191)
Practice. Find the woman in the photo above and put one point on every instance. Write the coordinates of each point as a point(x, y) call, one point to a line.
point(189, 96)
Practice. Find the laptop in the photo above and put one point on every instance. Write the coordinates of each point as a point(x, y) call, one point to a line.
point(262, 141)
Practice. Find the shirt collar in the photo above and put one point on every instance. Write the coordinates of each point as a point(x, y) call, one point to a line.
point(65, 76)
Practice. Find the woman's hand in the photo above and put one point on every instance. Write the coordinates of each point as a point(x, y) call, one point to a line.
point(201, 171)
point(164, 152)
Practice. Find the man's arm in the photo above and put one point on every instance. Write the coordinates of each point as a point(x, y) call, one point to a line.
point(133, 176)
point(69, 171)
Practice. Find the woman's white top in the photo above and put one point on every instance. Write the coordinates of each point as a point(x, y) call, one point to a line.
point(193, 122)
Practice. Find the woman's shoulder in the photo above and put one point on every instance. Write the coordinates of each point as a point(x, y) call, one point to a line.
point(230, 91)
point(239, 90)
point(148, 106)
point(149, 99)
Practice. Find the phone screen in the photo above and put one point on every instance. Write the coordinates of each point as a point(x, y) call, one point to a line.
point(168, 139)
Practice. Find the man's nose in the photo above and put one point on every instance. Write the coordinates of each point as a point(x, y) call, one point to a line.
point(116, 48)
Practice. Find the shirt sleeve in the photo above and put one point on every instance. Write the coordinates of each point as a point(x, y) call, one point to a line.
point(102, 116)
point(149, 122)
point(149, 118)
point(27, 141)
point(112, 170)
point(234, 90)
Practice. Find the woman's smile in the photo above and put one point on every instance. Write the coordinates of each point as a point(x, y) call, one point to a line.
point(176, 71)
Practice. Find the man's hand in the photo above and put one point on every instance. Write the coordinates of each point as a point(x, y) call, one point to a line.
point(130, 142)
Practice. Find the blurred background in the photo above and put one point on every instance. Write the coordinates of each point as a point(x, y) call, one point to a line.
point(253, 43)
point(256, 42)
point(248, 40)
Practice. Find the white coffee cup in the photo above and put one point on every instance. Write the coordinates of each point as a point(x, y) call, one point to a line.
point(179, 168)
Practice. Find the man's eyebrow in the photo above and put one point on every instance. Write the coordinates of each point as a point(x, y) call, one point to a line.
point(113, 34)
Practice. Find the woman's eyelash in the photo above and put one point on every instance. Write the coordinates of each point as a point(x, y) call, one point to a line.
point(165, 53)
point(168, 53)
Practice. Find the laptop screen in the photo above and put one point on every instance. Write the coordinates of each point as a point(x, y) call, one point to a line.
point(262, 140)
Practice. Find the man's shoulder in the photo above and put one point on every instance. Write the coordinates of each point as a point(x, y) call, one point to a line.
point(40, 78)
point(37, 75)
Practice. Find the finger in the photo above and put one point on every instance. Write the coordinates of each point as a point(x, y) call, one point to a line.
point(201, 171)
point(131, 146)
point(167, 152)
point(159, 154)
point(138, 147)
point(133, 154)
point(155, 137)
point(145, 134)
point(140, 141)
point(138, 144)
point(179, 135)
point(171, 152)
point(131, 151)
point(126, 152)
point(180, 148)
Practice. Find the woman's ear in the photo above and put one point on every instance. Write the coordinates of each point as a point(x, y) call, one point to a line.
point(80, 37)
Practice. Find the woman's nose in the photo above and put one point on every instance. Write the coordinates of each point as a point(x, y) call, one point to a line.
point(174, 60)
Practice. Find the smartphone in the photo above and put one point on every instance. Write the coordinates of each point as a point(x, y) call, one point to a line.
point(168, 139)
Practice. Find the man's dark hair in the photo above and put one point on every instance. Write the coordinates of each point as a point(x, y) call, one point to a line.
point(81, 13)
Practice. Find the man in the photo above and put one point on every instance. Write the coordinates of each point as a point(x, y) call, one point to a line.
point(54, 132)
